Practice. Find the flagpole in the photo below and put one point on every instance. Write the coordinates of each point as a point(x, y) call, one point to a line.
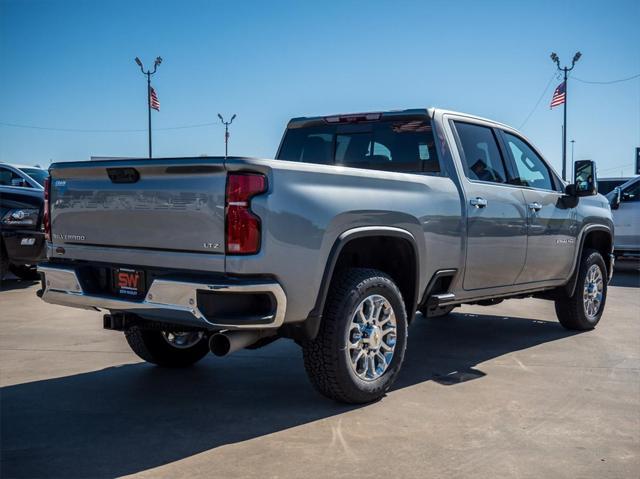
point(149, 109)
point(148, 73)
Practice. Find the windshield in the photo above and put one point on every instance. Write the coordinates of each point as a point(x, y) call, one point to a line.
point(390, 145)
point(37, 174)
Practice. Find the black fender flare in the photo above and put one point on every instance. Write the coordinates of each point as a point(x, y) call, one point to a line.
point(570, 287)
point(311, 325)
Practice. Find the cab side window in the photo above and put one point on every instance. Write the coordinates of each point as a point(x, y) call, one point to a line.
point(482, 157)
point(9, 178)
point(530, 168)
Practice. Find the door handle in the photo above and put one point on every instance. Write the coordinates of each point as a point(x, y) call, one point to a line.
point(535, 206)
point(478, 202)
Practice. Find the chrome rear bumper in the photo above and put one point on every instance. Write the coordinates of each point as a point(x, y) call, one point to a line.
point(166, 300)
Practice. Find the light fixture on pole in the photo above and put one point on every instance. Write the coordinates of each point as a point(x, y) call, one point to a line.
point(556, 60)
point(148, 73)
point(226, 133)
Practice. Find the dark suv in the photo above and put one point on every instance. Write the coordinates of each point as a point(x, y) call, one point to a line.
point(21, 232)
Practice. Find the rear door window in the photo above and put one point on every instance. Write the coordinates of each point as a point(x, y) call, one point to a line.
point(482, 158)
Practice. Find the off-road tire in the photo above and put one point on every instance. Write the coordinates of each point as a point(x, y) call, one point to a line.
point(325, 359)
point(570, 309)
point(24, 272)
point(150, 345)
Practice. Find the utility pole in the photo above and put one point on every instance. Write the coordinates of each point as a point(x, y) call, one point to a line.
point(226, 133)
point(566, 70)
point(148, 73)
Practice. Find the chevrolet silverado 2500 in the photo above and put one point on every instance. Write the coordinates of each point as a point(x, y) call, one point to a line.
point(359, 222)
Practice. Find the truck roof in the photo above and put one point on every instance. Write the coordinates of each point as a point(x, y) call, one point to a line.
point(413, 113)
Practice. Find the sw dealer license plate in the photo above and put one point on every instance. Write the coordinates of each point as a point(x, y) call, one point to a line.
point(129, 282)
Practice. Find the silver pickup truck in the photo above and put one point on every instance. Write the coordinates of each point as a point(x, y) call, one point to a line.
point(359, 222)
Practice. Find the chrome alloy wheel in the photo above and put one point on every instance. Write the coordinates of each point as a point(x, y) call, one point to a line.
point(592, 293)
point(182, 340)
point(371, 337)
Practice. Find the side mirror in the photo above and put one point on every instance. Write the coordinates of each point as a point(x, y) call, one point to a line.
point(584, 178)
point(616, 199)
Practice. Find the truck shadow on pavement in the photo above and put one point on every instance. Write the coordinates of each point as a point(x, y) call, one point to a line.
point(9, 284)
point(130, 418)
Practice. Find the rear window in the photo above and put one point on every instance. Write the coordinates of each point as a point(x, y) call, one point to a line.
point(390, 145)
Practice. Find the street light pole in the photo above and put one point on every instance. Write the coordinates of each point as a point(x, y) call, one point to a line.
point(148, 73)
point(226, 133)
point(573, 142)
point(566, 70)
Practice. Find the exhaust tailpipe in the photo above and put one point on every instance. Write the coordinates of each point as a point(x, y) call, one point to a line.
point(222, 344)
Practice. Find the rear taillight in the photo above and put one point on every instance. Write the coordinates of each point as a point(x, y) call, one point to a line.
point(242, 226)
point(46, 217)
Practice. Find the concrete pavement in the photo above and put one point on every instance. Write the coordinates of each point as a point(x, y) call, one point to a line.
point(499, 391)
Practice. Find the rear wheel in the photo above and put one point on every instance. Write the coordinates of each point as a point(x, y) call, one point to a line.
point(171, 349)
point(583, 310)
point(23, 271)
point(359, 349)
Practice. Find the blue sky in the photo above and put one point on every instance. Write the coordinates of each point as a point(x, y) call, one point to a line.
point(69, 64)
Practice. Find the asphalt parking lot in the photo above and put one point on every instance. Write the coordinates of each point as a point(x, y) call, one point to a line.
point(499, 391)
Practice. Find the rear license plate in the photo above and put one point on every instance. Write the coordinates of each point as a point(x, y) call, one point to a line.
point(129, 282)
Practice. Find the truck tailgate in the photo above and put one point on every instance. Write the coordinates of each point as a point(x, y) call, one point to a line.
point(164, 204)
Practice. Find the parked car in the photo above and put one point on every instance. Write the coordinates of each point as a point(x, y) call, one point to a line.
point(360, 221)
point(22, 176)
point(22, 243)
point(606, 185)
point(625, 203)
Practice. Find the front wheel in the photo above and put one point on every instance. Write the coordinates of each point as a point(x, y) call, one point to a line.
point(583, 310)
point(359, 349)
point(170, 349)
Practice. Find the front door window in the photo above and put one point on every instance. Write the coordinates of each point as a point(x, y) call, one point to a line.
point(530, 169)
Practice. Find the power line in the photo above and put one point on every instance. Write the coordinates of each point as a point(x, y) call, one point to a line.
point(615, 167)
point(606, 82)
point(84, 130)
point(544, 92)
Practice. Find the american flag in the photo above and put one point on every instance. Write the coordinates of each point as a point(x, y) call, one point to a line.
point(558, 95)
point(153, 99)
